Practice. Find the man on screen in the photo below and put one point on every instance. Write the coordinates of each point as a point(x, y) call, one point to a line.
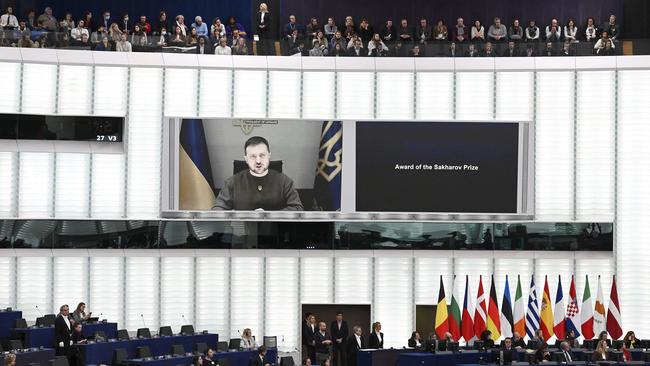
point(258, 188)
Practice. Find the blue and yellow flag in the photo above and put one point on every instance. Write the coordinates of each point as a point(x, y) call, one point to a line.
point(327, 184)
point(196, 186)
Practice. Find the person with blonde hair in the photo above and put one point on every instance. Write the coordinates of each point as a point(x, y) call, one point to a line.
point(600, 354)
point(10, 360)
point(265, 45)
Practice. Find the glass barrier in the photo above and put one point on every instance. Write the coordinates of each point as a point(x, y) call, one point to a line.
point(53, 234)
point(311, 46)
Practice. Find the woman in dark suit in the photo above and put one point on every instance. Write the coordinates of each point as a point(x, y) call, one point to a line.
point(263, 27)
point(631, 341)
point(414, 341)
point(542, 353)
point(376, 337)
point(600, 354)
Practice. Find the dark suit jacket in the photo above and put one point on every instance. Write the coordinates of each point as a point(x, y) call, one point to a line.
point(351, 348)
point(506, 53)
point(336, 333)
point(62, 332)
point(266, 24)
point(374, 340)
point(362, 52)
point(564, 359)
point(208, 49)
point(307, 334)
point(519, 343)
point(318, 340)
point(257, 361)
point(540, 356)
point(412, 344)
point(509, 355)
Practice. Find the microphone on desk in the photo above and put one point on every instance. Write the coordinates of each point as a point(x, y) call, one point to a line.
point(39, 310)
point(143, 323)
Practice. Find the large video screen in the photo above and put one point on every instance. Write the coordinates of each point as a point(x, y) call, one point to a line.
point(270, 165)
point(464, 167)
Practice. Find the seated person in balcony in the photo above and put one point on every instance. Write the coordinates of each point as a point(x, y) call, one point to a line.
point(566, 49)
point(291, 26)
point(123, 45)
point(459, 31)
point(472, 51)
point(489, 50)
point(293, 40)
point(192, 38)
point(404, 33)
point(516, 32)
point(440, 32)
point(423, 32)
point(357, 49)
point(76, 33)
point(478, 32)
point(330, 28)
point(338, 39)
point(591, 31)
point(452, 51)
point(349, 29)
point(258, 187)
point(338, 50)
point(222, 48)
point(204, 47)
point(48, 20)
point(104, 45)
point(388, 34)
point(97, 36)
point(497, 31)
point(553, 31)
point(549, 50)
point(201, 28)
point(601, 43)
point(139, 37)
point(511, 51)
point(313, 28)
point(570, 31)
point(415, 51)
point(234, 38)
point(217, 29)
point(241, 48)
point(612, 28)
point(232, 24)
point(8, 20)
point(376, 47)
point(608, 50)
point(319, 49)
point(144, 24)
point(320, 37)
point(532, 32)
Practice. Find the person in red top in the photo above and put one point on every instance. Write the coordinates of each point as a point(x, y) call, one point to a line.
point(144, 24)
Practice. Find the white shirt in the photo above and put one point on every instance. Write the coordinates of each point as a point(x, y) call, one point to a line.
point(570, 34)
point(378, 336)
point(568, 356)
point(67, 322)
point(358, 340)
point(548, 32)
point(222, 50)
point(76, 33)
point(339, 325)
point(8, 20)
point(600, 42)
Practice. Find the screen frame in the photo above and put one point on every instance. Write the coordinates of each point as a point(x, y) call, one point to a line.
point(525, 183)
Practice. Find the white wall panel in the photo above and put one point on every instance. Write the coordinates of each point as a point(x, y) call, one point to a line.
point(108, 186)
point(513, 267)
point(633, 199)
point(355, 95)
point(75, 89)
point(212, 283)
point(353, 281)
point(106, 298)
point(246, 296)
point(316, 280)
point(72, 185)
point(318, 95)
point(70, 283)
point(34, 286)
point(595, 139)
point(39, 88)
point(435, 95)
point(284, 94)
point(427, 278)
point(515, 95)
point(142, 293)
point(395, 95)
point(8, 285)
point(111, 90)
point(250, 94)
point(8, 183)
point(36, 196)
point(144, 143)
point(393, 303)
point(215, 97)
point(281, 300)
point(9, 96)
point(474, 95)
point(554, 146)
point(177, 292)
point(181, 88)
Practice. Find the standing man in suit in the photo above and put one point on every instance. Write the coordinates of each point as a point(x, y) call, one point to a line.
point(376, 337)
point(354, 343)
point(323, 344)
point(260, 359)
point(339, 330)
point(308, 330)
point(63, 332)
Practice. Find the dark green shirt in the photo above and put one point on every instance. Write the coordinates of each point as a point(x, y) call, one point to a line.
point(272, 192)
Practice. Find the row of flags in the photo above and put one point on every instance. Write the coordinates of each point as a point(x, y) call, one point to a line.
point(554, 319)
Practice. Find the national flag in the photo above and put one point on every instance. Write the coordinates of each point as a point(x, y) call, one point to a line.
point(481, 310)
point(196, 184)
point(493, 318)
point(455, 311)
point(442, 317)
point(532, 315)
point(559, 323)
point(467, 322)
point(506, 312)
point(546, 313)
point(572, 311)
point(587, 314)
point(519, 318)
point(327, 183)
point(599, 311)
point(614, 313)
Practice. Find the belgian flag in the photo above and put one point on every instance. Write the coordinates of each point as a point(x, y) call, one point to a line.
point(196, 185)
point(442, 315)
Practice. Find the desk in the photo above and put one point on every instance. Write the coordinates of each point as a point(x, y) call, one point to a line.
point(171, 361)
point(380, 357)
point(452, 359)
point(102, 353)
point(42, 356)
point(44, 337)
point(242, 358)
point(7, 321)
